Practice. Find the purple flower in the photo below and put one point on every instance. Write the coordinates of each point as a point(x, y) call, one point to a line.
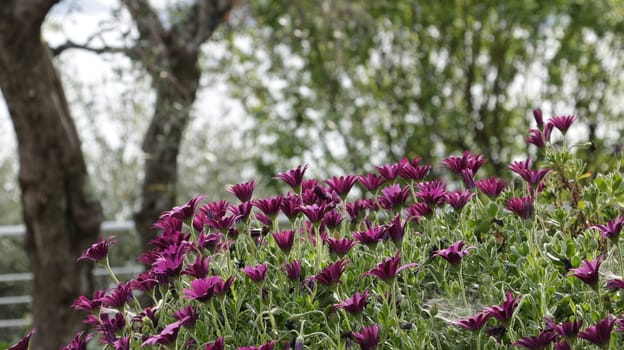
point(98, 250)
point(454, 253)
point(209, 241)
point(458, 199)
point(218, 344)
point(567, 329)
point(411, 170)
point(315, 212)
point(600, 333)
point(205, 288)
point(284, 240)
point(562, 123)
point(241, 211)
point(83, 303)
point(523, 207)
point(474, 323)
point(290, 206)
point(169, 262)
point(342, 185)
point(504, 312)
point(372, 236)
point(432, 192)
point(256, 273)
point(266, 346)
point(539, 119)
point(611, 229)
point(269, 206)
point(367, 337)
point(536, 138)
point(389, 269)
point(188, 313)
point(389, 171)
point(23, 343)
point(492, 186)
point(79, 342)
point(243, 191)
point(168, 225)
point(293, 270)
point(339, 246)
point(418, 210)
point(393, 196)
point(199, 268)
point(332, 219)
point(122, 343)
point(396, 231)
point(522, 168)
point(119, 296)
point(466, 161)
point(371, 181)
point(167, 335)
point(536, 342)
point(354, 305)
point(615, 284)
point(330, 275)
point(293, 177)
point(355, 209)
point(588, 273)
point(185, 211)
point(562, 345)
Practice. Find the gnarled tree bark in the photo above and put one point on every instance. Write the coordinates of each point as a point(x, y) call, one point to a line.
point(62, 218)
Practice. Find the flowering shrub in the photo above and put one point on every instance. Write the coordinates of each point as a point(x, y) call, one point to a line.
point(415, 261)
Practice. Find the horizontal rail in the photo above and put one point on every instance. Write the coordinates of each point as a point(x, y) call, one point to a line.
point(21, 299)
point(28, 276)
point(106, 227)
point(15, 323)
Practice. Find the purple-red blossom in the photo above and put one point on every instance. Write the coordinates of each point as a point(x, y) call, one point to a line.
point(269, 206)
point(209, 241)
point(284, 240)
point(615, 284)
point(315, 212)
point(167, 335)
point(458, 199)
point(418, 210)
point(393, 196)
point(218, 344)
point(588, 272)
point(562, 345)
point(98, 250)
point(118, 297)
point(562, 123)
point(184, 211)
point(536, 137)
point(600, 333)
point(265, 346)
point(389, 171)
point(454, 253)
point(86, 304)
point(199, 267)
point(79, 342)
point(536, 341)
point(256, 273)
point(290, 206)
point(293, 270)
point(23, 343)
point(169, 262)
point(339, 246)
point(371, 236)
point(205, 288)
point(474, 323)
point(523, 207)
point(188, 313)
point(354, 305)
point(389, 268)
point(567, 329)
point(395, 230)
point(367, 337)
point(332, 219)
point(539, 118)
point(330, 275)
point(611, 229)
point(412, 170)
point(371, 181)
point(491, 186)
point(504, 311)
point(431, 192)
point(243, 191)
point(342, 184)
point(293, 177)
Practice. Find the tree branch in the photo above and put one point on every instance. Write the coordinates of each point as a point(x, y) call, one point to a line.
point(98, 50)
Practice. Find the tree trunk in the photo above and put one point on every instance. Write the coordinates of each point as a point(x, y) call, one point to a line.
point(61, 216)
point(162, 141)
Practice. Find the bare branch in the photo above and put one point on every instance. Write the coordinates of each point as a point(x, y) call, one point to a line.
point(147, 21)
point(99, 50)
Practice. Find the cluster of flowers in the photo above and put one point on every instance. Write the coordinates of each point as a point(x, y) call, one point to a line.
point(198, 239)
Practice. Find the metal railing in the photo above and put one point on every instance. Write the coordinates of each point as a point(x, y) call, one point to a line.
point(20, 230)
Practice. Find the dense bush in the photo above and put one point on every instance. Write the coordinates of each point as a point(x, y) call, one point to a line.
point(408, 262)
